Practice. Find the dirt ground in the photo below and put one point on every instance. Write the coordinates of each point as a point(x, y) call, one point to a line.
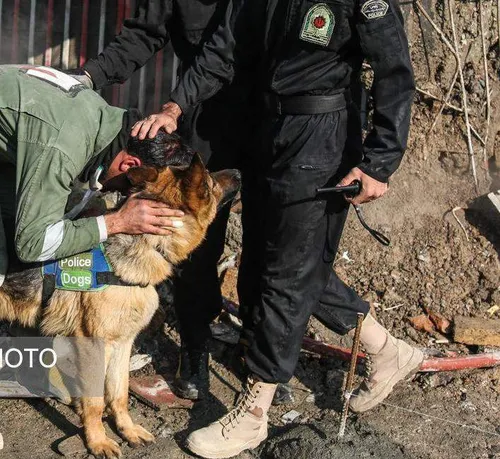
point(434, 261)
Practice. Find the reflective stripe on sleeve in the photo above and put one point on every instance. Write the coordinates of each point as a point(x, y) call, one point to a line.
point(103, 231)
point(53, 239)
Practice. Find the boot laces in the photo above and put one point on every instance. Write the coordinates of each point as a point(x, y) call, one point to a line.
point(233, 418)
point(368, 363)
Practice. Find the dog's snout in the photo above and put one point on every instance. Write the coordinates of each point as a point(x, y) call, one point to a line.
point(237, 175)
point(228, 178)
point(230, 182)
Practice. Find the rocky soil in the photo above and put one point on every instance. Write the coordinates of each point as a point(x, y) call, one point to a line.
point(443, 260)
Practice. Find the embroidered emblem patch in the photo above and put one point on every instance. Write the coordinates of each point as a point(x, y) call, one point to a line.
point(318, 25)
point(374, 9)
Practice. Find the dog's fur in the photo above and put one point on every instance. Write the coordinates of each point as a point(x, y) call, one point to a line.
point(117, 314)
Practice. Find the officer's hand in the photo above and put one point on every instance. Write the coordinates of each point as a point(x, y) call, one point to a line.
point(166, 120)
point(371, 189)
point(140, 216)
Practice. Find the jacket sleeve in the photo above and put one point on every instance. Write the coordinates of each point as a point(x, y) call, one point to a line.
point(140, 38)
point(384, 44)
point(42, 232)
point(233, 44)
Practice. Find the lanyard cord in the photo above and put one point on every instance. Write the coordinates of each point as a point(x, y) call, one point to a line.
point(352, 190)
point(384, 240)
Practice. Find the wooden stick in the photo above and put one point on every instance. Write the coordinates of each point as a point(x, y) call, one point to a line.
point(439, 99)
point(451, 7)
point(437, 29)
point(445, 102)
point(498, 24)
point(478, 137)
point(448, 95)
point(487, 83)
point(459, 222)
point(476, 331)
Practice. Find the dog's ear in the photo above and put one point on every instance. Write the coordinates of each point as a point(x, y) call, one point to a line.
point(195, 177)
point(141, 175)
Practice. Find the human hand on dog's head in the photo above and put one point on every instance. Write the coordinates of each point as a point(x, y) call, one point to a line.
point(166, 120)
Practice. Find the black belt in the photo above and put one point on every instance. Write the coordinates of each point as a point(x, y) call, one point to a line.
point(305, 105)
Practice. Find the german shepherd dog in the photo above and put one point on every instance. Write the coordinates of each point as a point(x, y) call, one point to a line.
point(117, 314)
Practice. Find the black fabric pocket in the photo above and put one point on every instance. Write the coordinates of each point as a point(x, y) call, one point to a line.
point(375, 34)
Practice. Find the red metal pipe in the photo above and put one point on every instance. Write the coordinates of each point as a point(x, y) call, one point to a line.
point(467, 362)
point(431, 364)
point(318, 347)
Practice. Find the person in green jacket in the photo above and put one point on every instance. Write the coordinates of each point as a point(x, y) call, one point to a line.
point(53, 131)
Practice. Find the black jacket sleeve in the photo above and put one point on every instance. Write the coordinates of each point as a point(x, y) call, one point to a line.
point(233, 44)
point(384, 44)
point(140, 38)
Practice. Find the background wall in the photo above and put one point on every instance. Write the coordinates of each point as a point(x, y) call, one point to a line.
point(65, 33)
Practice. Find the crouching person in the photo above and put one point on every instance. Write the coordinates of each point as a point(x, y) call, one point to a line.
point(53, 131)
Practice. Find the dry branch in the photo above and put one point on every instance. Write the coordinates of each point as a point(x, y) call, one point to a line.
point(478, 137)
point(448, 95)
point(459, 222)
point(451, 7)
point(439, 99)
point(445, 102)
point(437, 29)
point(487, 82)
point(498, 25)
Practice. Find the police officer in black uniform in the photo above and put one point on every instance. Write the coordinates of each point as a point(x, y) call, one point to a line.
point(219, 129)
point(187, 24)
point(306, 55)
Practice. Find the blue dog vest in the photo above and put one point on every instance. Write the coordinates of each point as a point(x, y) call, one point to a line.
point(84, 272)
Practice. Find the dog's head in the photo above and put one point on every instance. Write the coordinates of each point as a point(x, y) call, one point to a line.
point(191, 189)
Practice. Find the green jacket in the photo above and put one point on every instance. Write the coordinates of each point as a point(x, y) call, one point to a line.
point(50, 128)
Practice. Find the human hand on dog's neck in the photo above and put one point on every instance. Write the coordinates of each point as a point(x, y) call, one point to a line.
point(143, 216)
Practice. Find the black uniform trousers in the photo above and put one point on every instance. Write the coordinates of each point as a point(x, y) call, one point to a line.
point(291, 239)
point(216, 130)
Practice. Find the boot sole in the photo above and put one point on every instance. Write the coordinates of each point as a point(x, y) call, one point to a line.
point(401, 375)
point(190, 394)
point(223, 455)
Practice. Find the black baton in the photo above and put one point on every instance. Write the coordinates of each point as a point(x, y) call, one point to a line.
point(350, 191)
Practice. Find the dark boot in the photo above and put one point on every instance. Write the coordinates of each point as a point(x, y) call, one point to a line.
point(192, 378)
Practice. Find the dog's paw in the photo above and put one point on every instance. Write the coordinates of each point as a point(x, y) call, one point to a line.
point(105, 449)
point(137, 436)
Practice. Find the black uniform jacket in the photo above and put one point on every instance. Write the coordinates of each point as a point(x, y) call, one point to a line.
point(307, 47)
point(187, 23)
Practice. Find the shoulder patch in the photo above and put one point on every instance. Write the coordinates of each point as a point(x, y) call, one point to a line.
point(374, 9)
point(318, 25)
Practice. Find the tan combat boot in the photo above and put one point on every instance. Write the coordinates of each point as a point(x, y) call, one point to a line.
point(391, 361)
point(244, 427)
